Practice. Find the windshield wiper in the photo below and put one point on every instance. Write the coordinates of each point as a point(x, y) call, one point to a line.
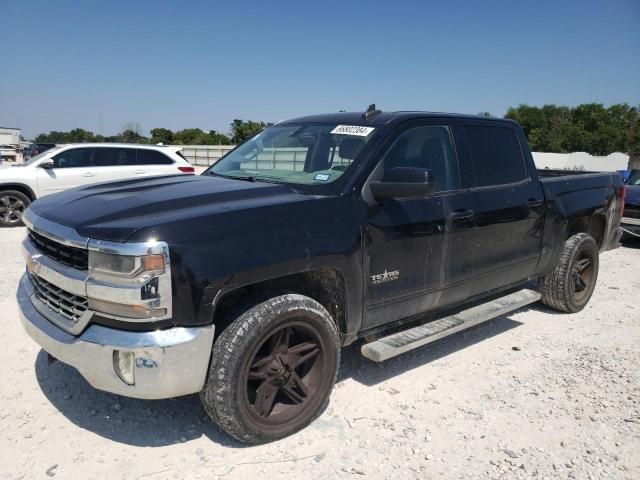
point(245, 178)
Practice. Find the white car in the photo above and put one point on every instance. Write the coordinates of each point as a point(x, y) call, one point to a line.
point(8, 152)
point(75, 165)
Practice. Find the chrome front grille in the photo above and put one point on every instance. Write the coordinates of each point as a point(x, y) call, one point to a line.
point(75, 257)
point(66, 304)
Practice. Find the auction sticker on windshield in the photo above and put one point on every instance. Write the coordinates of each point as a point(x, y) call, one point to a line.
point(352, 130)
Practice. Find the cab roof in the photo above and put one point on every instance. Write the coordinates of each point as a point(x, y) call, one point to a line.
point(383, 118)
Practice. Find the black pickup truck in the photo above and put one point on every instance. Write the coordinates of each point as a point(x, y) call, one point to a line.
point(243, 283)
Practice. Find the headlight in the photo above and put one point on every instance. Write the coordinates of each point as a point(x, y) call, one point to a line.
point(129, 281)
point(125, 266)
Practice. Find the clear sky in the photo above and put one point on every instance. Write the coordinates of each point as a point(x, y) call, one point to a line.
point(100, 64)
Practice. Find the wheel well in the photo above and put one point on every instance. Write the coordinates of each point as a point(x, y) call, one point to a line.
point(325, 286)
point(18, 188)
point(594, 225)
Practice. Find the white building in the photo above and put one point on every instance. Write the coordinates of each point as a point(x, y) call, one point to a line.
point(10, 136)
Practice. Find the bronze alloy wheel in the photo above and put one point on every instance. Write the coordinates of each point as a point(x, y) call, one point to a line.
point(569, 286)
point(272, 369)
point(284, 373)
point(582, 276)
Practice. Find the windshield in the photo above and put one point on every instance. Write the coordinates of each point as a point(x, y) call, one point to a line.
point(299, 154)
point(32, 160)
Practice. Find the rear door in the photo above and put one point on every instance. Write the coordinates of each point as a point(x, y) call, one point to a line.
point(416, 250)
point(508, 206)
point(71, 168)
point(117, 163)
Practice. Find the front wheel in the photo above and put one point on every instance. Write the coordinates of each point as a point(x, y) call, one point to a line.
point(12, 206)
point(272, 370)
point(570, 285)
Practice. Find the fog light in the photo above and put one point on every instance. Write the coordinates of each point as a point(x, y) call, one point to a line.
point(123, 363)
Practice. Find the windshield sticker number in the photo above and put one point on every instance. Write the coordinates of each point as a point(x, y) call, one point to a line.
point(323, 177)
point(352, 130)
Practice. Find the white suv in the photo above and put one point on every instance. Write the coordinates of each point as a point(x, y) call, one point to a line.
point(71, 166)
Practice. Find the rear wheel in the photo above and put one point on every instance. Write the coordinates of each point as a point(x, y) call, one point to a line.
point(570, 285)
point(12, 206)
point(272, 370)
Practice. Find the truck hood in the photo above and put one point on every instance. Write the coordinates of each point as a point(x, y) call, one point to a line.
point(115, 211)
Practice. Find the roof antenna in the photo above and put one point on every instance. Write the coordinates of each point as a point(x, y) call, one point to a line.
point(371, 111)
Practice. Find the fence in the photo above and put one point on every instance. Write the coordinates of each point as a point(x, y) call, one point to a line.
point(204, 155)
point(581, 161)
point(286, 158)
point(293, 159)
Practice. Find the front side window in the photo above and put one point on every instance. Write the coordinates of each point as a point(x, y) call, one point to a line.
point(74, 158)
point(115, 157)
point(38, 157)
point(302, 154)
point(496, 155)
point(429, 147)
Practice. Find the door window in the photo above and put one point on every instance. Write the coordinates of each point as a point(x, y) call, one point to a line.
point(74, 158)
point(115, 157)
point(152, 157)
point(429, 147)
point(496, 155)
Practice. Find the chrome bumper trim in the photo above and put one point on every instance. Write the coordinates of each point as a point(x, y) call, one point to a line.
point(630, 221)
point(168, 363)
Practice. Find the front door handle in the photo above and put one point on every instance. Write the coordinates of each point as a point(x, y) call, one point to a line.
point(534, 202)
point(459, 215)
point(139, 172)
point(89, 174)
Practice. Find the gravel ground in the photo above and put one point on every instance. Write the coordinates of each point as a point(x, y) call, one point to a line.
point(533, 394)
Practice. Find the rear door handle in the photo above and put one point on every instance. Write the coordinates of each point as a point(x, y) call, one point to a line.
point(458, 215)
point(139, 172)
point(89, 174)
point(533, 203)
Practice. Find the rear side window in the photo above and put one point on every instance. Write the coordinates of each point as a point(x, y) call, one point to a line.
point(115, 157)
point(497, 158)
point(74, 158)
point(153, 157)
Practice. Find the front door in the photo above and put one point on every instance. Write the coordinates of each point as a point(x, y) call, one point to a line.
point(416, 253)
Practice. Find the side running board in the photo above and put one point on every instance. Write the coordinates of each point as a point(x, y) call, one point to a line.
point(416, 337)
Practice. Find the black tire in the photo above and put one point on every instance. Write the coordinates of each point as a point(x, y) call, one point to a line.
point(570, 285)
point(249, 364)
point(12, 206)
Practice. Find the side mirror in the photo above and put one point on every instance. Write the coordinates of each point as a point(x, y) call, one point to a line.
point(404, 182)
point(47, 164)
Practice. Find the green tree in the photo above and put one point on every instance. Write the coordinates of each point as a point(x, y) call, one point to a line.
point(161, 135)
point(217, 138)
point(242, 130)
point(131, 136)
point(188, 136)
point(588, 127)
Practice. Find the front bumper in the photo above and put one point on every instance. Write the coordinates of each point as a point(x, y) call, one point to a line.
point(168, 363)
